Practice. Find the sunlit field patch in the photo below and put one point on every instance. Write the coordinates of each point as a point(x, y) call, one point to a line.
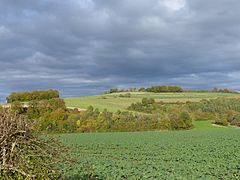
point(114, 102)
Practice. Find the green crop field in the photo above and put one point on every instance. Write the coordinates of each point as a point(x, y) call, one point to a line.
point(113, 102)
point(206, 152)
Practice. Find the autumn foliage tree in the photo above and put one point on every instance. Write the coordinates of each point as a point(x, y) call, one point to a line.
point(33, 95)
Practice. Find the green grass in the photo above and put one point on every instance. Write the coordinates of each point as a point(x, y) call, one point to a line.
point(205, 125)
point(113, 102)
point(206, 152)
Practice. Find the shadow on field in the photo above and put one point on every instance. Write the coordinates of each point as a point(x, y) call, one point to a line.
point(84, 177)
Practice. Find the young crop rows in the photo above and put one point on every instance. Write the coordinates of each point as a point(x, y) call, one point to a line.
point(194, 154)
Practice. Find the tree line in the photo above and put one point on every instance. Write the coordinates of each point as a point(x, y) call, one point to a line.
point(215, 89)
point(33, 95)
point(155, 89)
point(160, 89)
point(94, 121)
point(52, 115)
point(223, 111)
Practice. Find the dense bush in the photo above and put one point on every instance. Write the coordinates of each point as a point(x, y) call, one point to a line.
point(221, 119)
point(236, 120)
point(218, 105)
point(180, 120)
point(127, 95)
point(34, 95)
point(24, 154)
point(147, 105)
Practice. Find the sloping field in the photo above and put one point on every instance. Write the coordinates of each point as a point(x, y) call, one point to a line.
point(113, 102)
point(206, 152)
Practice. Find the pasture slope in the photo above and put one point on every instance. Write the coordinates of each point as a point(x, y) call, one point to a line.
point(112, 102)
point(205, 152)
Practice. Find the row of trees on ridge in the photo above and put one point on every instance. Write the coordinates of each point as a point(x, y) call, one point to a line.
point(159, 89)
point(33, 95)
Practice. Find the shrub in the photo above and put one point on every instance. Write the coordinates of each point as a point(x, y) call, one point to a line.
point(147, 101)
point(127, 95)
point(221, 119)
point(24, 154)
point(236, 120)
point(176, 121)
point(165, 122)
point(185, 116)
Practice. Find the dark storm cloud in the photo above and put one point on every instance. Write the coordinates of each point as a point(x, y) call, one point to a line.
point(87, 46)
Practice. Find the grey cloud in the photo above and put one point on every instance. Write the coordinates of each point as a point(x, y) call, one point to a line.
point(87, 46)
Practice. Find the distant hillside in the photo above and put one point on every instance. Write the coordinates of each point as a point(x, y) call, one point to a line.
point(120, 101)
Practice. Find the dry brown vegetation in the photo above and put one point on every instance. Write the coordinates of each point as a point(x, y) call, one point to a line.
point(23, 154)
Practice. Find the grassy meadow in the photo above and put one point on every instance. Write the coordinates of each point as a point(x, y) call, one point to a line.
point(112, 102)
point(205, 152)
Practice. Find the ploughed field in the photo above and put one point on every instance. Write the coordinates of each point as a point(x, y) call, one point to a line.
point(205, 152)
point(113, 102)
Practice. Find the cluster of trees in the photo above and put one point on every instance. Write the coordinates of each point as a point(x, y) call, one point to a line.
point(51, 115)
point(223, 111)
point(147, 105)
point(94, 121)
point(220, 90)
point(33, 95)
point(225, 90)
point(116, 90)
point(158, 89)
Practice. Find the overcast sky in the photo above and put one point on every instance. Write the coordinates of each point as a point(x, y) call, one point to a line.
point(84, 47)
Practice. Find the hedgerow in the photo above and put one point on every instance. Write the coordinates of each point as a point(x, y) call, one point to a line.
point(25, 154)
